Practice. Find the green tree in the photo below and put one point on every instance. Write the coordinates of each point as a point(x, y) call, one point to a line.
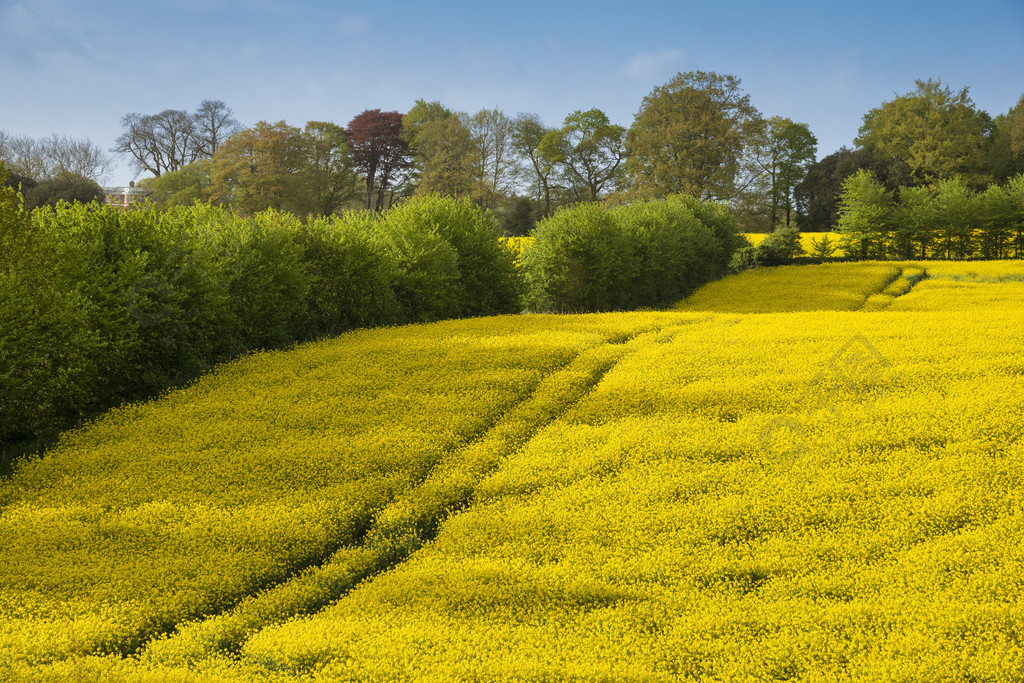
point(331, 174)
point(781, 153)
point(1015, 188)
point(957, 217)
point(184, 187)
point(445, 156)
point(865, 215)
point(494, 161)
point(517, 219)
point(936, 132)
point(816, 197)
point(419, 120)
point(998, 217)
point(527, 134)
point(1001, 160)
point(263, 167)
point(689, 137)
point(64, 187)
point(1016, 128)
point(589, 150)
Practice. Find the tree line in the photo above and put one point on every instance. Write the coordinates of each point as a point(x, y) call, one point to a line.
point(917, 140)
point(697, 134)
point(947, 219)
point(54, 168)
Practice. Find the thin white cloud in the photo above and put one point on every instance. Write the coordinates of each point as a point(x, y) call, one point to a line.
point(648, 66)
point(355, 25)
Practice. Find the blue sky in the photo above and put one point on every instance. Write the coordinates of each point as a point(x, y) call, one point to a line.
point(75, 68)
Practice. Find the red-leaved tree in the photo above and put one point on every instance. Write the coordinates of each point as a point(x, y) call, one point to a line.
point(380, 153)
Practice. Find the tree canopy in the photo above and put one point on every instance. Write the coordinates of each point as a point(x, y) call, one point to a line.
point(380, 152)
point(689, 137)
point(589, 150)
point(938, 133)
point(158, 143)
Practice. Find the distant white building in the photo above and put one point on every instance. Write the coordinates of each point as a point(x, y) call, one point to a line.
point(125, 197)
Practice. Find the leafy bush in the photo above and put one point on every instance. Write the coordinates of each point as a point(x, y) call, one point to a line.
point(673, 250)
point(823, 247)
point(641, 254)
point(266, 278)
point(65, 187)
point(779, 247)
point(351, 281)
point(744, 258)
point(426, 278)
point(582, 259)
point(722, 223)
point(49, 349)
point(490, 283)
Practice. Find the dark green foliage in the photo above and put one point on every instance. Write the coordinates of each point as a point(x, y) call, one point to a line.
point(587, 258)
point(779, 247)
point(47, 347)
point(866, 215)
point(582, 259)
point(266, 279)
point(425, 267)
point(350, 279)
point(817, 195)
point(823, 247)
point(19, 182)
point(675, 251)
point(744, 258)
point(65, 187)
point(720, 219)
point(517, 219)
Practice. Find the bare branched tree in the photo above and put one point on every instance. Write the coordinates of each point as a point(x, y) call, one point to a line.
point(51, 156)
point(215, 123)
point(76, 155)
point(158, 143)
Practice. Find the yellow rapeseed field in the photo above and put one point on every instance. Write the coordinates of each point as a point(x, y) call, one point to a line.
point(808, 240)
point(804, 473)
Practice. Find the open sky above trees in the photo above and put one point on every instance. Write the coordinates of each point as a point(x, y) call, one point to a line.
point(76, 69)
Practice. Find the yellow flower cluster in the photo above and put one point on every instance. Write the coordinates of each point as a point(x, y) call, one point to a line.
point(807, 240)
point(816, 492)
point(517, 245)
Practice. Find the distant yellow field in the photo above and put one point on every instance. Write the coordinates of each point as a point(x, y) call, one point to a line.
point(806, 473)
point(807, 240)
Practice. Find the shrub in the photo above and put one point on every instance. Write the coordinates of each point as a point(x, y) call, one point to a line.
point(49, 348)
point(672, 248)
point(779, 247)
point(722, 223)
point(582, 260)
point(350, 279)
point(488, 280)
point(266, 278)
point(426, 278)
point(823, 247)
point(744, 258)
